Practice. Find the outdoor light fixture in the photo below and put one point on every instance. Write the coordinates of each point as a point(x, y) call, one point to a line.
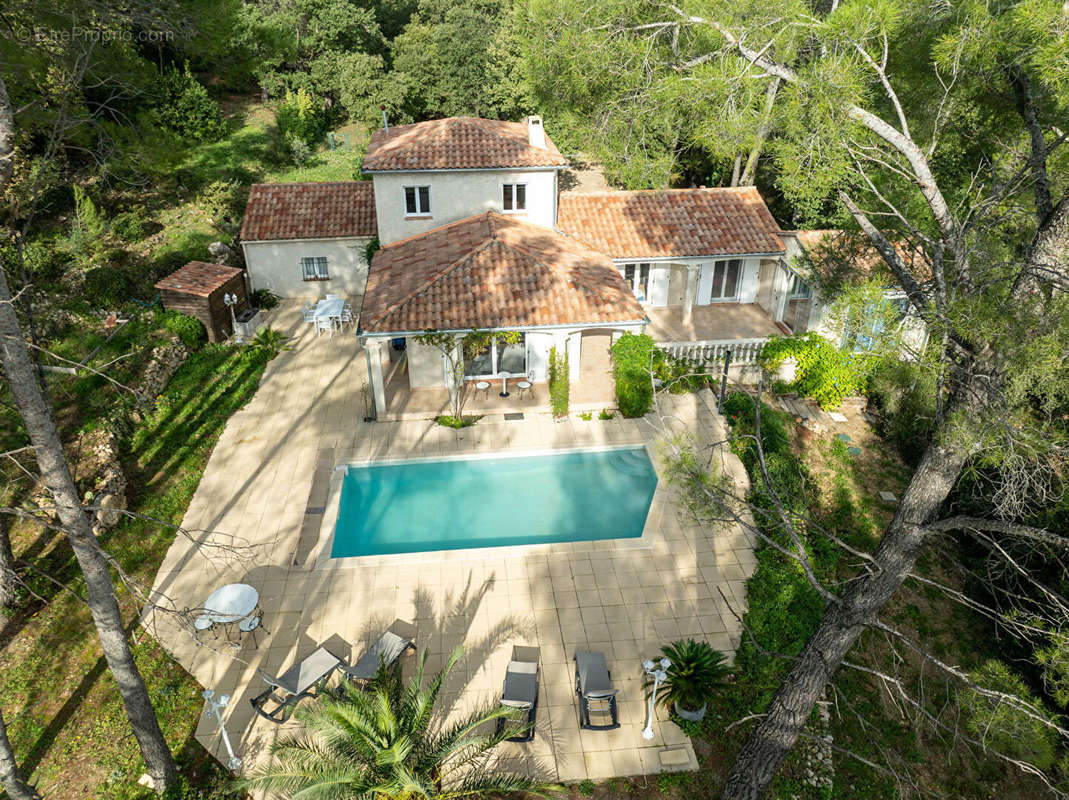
point(212, 708)
point(657, 671)
point(231, 300)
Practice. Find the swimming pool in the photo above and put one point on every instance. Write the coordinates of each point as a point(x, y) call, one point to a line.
point(493, 501)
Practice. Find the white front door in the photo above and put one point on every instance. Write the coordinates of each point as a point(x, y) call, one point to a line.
point(659, 278)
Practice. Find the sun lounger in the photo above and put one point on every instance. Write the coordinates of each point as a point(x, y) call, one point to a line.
point(302, 680)
point(382, 654)
point(520, 691)
point(593, 684)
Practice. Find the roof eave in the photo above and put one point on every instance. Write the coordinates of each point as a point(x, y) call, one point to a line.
point(554, 326)
point(542, 168)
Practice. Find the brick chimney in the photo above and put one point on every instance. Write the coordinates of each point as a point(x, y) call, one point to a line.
point(536, 134)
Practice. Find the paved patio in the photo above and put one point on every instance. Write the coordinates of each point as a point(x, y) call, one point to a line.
point(711, 322)
point(266, 486)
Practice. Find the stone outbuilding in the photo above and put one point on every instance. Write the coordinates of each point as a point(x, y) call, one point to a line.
point(198, 288)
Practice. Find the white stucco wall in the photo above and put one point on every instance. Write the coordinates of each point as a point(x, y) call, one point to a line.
point(277, 266)
point(425, 365)
point(668, 280)
point(458, 194)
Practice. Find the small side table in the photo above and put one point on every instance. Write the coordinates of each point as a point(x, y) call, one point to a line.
point(504, 383)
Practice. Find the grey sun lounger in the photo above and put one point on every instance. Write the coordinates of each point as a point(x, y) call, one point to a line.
point(382, 654)
point(520, 691)
point(593, 684)
point(302, 680)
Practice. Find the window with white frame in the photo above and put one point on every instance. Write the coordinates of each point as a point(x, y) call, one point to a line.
point(514, 196)
point(725, 284)
point(314, 268)
point(497, 357)
point(637, 278)
point(417, 201)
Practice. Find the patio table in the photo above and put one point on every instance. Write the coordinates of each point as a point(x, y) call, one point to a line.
point(329, 309)
point(504, 383)
point(231, 603)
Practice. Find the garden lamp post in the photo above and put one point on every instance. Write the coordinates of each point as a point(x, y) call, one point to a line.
point(231, 300)
point(657, 671)
point(212, 708)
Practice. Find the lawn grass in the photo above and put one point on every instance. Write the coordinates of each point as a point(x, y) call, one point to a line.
point(64, 714)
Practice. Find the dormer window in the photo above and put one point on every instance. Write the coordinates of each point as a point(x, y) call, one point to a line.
point(514, 197)
point(417, 201)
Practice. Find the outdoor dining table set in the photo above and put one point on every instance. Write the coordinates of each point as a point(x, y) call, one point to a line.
point(329, 314)
point(236, 609)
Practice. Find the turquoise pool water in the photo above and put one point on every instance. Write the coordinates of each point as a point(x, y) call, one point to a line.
point(413, 507)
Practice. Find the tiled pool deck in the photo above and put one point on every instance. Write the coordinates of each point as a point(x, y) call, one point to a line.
point(268, 485)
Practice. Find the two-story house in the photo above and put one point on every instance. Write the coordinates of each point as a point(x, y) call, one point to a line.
point(474, 233)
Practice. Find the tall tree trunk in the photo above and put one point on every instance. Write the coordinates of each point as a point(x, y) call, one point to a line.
point(1037, 158)
point(103, 605)
point(9, 579)
point(761, 756)
point(10, 777)
point(749, 173)
point(56, 474)
point(736, 169)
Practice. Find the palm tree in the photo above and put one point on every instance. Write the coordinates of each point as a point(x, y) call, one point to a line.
point(384, 744)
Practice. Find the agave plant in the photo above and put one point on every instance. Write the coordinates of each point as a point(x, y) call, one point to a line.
point(385, 744)
point(697, 671)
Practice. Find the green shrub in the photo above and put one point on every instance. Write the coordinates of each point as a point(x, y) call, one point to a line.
point(106, 286)
point(223, 200)
point(1003, 726)
point(586, 416)
point(270, 340)
point(449, 421)
point(129, 226)
point(189, 329)
point(633, 358)
point(301, 116)
point(606, 414)
point(265, 299)
point(184, 106)
point(558, 382)
point(823, 373)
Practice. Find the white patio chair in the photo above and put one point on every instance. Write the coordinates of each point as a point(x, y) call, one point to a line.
point(347, 317)
point(308, 312)
point(324, 324)
point(524, 387)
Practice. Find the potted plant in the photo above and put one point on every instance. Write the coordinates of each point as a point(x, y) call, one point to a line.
point(696, 672)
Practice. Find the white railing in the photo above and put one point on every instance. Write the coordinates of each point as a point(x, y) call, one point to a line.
point(743, 351)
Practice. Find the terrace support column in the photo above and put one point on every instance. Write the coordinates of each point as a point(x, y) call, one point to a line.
point(575, 346)
point(373, 350)
point(690, 292)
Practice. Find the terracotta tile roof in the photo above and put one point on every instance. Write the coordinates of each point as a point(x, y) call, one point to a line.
point(309, 211)
point(671, 222)
point(492, 271)
point(832, 250)
point(458, 143)
point(198, 278)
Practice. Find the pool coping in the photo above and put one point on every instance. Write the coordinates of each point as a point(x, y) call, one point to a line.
point(320, 558)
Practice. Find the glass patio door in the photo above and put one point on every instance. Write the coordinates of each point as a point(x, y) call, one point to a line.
point(725, 283)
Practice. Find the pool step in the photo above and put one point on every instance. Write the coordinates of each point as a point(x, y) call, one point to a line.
point(631, 462)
